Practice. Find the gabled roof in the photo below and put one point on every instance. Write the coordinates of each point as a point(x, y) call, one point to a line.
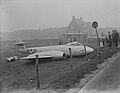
point(79, 21)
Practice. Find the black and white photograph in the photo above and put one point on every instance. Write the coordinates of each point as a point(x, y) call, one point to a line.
point(59, 46)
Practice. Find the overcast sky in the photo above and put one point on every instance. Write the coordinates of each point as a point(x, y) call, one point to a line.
point(35, 14)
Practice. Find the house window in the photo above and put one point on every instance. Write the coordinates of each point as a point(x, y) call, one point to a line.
point(75, 39)
point(69, 39)
point(75, 26)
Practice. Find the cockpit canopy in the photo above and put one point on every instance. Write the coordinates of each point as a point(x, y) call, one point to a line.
point(74, 44)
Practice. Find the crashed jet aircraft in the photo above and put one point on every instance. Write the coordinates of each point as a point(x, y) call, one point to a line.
point(52, 52)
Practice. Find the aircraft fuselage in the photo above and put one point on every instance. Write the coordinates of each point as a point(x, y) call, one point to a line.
point(75, 50)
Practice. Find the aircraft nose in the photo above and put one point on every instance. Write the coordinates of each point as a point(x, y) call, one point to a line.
point(90, 50)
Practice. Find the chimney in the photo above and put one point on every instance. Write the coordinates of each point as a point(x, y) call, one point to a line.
point(73, 17)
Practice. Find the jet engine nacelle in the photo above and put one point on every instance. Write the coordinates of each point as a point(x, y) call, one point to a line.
point(48, 54)
point(11, 59)
point(60, 55)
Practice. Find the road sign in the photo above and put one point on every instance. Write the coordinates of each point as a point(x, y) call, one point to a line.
point(95, 24)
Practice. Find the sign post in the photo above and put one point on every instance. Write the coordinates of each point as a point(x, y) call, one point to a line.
point(95, 25)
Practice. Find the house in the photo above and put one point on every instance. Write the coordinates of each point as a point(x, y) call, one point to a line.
point(78, 25)
point(77, 30)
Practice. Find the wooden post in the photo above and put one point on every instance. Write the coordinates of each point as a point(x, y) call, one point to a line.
point(70, 58)
point(37, 72)
point(85, 52)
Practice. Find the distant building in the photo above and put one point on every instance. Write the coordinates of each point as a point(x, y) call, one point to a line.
point(71, 37)
point(77, 30)
point(78, 25)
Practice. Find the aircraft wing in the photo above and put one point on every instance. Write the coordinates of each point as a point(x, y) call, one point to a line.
point(46, 55)
point(33, 57)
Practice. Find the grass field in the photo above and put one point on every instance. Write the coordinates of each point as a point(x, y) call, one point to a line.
point(53, 74)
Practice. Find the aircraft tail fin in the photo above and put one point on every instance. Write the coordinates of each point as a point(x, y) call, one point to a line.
point(20, 42)
point(20, 46)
